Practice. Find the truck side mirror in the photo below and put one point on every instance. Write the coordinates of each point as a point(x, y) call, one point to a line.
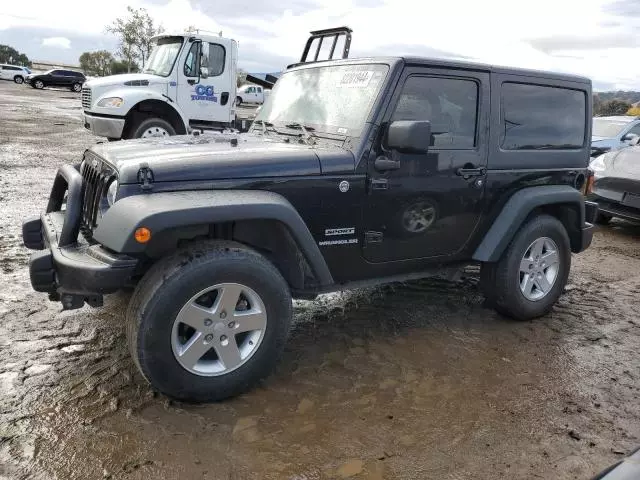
point(629, 138)
point(410, 136)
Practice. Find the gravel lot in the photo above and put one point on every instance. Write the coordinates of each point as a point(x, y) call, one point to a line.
point(410, 381)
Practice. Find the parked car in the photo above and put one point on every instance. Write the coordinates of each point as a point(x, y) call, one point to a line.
point(615, 183)
point(611, 133)
point(419, 176)
point(251, 94)
point(627, 468)
point(13, 72)
point(57, 78)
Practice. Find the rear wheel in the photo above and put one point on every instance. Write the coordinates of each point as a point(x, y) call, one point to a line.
point(18, 79)
point(530, 277)
point(152, 127)
point(209, 321)
point(77, 87)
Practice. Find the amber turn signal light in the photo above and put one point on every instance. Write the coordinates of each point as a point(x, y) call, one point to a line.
point(142, 235)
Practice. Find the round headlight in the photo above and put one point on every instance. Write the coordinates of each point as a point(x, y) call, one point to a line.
point(112, 191)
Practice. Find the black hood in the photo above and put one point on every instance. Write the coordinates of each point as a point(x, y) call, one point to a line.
point(218, 157)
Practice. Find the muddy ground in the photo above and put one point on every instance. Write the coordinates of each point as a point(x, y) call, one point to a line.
point(410, 381)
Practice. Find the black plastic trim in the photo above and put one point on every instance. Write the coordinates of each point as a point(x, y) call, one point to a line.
point(162, 211)
point(69, 180)
point(516, 210)
point(104, 115)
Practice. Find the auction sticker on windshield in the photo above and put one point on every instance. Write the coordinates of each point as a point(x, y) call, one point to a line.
point(357, 79)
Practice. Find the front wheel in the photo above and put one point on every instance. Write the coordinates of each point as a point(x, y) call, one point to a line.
point(153, 127)
point(39, 84)
point(18, 79)
point(532, 273)
point(77, 87)
point(209, 321)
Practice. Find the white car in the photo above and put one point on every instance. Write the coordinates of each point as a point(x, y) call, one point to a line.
point(13, 72)
point(251, 94)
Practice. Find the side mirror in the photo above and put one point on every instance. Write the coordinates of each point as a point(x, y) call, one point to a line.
point(411, 136)
point(635, 142)
point(629, 138)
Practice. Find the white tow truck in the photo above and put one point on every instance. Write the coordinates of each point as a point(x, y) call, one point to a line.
point(188, 83)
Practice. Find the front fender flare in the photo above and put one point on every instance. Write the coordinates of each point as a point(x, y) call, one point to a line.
point(516, 210)
point(161, 211)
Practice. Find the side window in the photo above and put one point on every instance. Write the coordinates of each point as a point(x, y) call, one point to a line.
point(191, 62)
point(635, 130)
point(541, 117)
point(259, 89)
point(450, 104)
point(215, 59)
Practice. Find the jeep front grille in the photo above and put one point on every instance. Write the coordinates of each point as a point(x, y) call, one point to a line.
point(97, 176)
point(86, 97)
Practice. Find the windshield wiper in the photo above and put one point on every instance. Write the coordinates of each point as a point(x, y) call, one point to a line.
point(309, 136)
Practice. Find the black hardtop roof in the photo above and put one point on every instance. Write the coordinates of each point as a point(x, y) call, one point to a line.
point(458, 64)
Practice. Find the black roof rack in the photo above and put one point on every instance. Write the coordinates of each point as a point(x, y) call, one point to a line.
point(310, 55)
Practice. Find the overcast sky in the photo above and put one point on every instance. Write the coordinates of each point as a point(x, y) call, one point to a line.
point(596, 38)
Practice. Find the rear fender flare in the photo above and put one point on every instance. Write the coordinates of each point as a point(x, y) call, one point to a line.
point(515, 212)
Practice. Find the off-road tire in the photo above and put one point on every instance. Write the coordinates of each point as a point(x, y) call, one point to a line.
point(18, 79)
point(148, 123)
point(170, 283)
point(603, 218)
point(500, 281)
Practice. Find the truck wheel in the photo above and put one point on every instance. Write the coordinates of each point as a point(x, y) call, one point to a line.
point(209, 321)
point(153, 127)
point(530, 277)
point(18, 79)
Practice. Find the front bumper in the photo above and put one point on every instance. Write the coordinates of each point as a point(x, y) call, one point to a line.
point(66, 266)
point(103, 126)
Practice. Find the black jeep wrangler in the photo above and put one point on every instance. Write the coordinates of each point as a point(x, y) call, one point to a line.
point(355, 172)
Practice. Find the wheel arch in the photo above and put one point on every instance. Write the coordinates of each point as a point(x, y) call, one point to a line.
point(150, 107)
point(264, 221)
point(561, 201)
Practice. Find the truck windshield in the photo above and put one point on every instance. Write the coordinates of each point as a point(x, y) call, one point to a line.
point(607, 128)
point(163, 56)
point(331, 99)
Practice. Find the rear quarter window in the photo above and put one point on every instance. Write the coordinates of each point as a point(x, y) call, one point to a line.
point(537, 117)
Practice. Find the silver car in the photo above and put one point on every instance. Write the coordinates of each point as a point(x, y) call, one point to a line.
point(612, 133)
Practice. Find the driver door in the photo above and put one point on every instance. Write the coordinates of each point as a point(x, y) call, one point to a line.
point(204, 82)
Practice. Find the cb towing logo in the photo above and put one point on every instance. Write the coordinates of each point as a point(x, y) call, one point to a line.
point(204, 92)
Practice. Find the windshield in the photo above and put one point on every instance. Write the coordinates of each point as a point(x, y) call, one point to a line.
point(163, 56)
point(331, 99)
point(607, 128)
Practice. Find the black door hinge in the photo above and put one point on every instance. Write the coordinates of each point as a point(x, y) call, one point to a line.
point(372, 237)
point(379, 184)
point(145, 177)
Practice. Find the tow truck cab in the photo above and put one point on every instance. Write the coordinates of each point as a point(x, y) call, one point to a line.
point(189, 80)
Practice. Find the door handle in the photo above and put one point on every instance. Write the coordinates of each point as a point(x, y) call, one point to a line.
point(224, 98)
point(191, 81)
point(383, 163)
point(466, 172)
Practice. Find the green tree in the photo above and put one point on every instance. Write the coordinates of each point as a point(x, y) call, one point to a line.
point(134, 33)
point(123, 67)
point(96, 63)
point(613, 107)
point(11, 55)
